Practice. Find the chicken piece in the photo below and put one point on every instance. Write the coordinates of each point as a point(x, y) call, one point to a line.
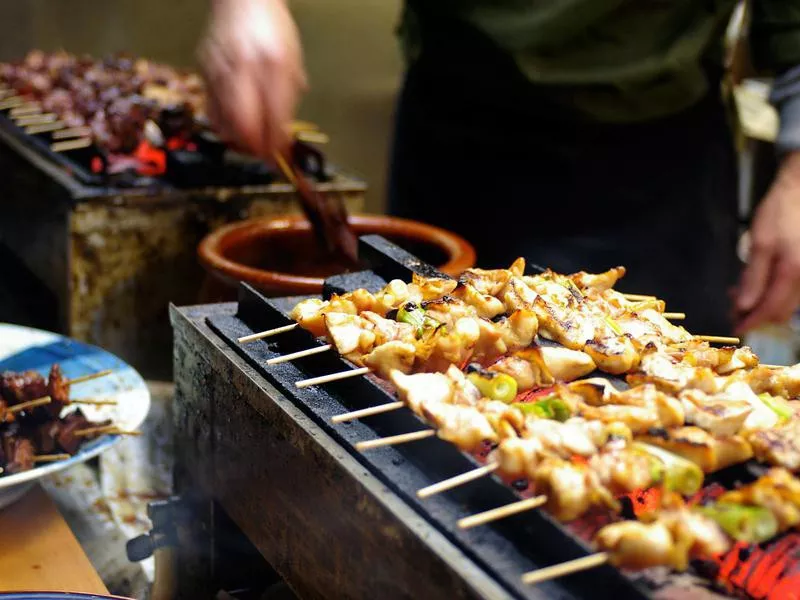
point(779, 446)
point(352, 335)
point(486, 306)
point(489, 282)
point(575, 436)
point(518, 457)
point(670, 375)
point(783, 382)
point(519, 330)
point(527, 367)
point(21, 387)
point(464, 426)
point(635, 545)
point(449, 347)
point(58, 390)
point(448, 310)
point(708, 452)
point(419, 388)
point(761, 416)
point(718, 414)
point(517, 295)
point(613, 354)
point(623, 471)
point(565, 364)
point(387, 330)
point(571, 489)
point(598, 281)
point(394, 355)
point(640, 408)
point(567, 327)
point(431, 288)
point(394, 295)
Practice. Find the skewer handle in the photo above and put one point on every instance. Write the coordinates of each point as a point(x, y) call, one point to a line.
point(502, 512)
point(265, 334)
point(75, 144)
point(718, 339)
point(29, 404)
point(51, 457)
point(332, 377)
point(394, 440)
point(367, 412)
point(565, 568)
point(89, 377)
point(453, 482)
point(299, 354)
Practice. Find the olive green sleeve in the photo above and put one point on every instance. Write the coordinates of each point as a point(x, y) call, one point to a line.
point(775, 35)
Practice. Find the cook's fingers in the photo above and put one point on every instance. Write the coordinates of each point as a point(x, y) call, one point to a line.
point(780, 297)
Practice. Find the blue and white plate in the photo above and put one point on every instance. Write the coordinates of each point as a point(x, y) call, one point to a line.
point(22, 349)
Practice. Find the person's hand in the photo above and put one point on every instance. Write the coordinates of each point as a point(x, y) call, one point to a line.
point(253, 65)
point(769, 290)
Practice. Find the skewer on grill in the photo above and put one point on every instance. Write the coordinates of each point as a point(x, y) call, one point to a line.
point(265, 334)
point(12, 102)
point(51, 457)
point(41, 119)
point(32, 108)
point(44, 127)
point(718, 339)
point(299, 354)
point(566, 568)
point(394, 440)
point(72, 132)
point(367, 412)
point(674, 316)
point(454, 482)
point(332, 377)
point(75, 144)
point(501, 512)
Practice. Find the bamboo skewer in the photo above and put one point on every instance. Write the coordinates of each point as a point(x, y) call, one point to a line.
point(24, 121)
point(453, 482)
point(718, 339)
point(72, 132)
point(29, 404)
point(104, 429)
point(285, 169)
point(265, 334)
point(12, 102)
point(676, 316)
point(367, 412)
point(565, 568)
point(44, 127)
point(89, 377)
point(393, 440)
point(332, 377)
point(51, 457)
point(300, 354)
point(502, 512)
point(75, 144)
point(313, 137)
point(91, 402)
point(638, 297)
point(32, 108)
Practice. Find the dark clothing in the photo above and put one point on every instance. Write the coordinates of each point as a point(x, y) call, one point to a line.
point(482, 151)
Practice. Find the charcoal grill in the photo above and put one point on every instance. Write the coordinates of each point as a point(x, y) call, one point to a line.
point(99, 259)
point(329, 518)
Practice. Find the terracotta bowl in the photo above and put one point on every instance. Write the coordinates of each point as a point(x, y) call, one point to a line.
point(279, 256)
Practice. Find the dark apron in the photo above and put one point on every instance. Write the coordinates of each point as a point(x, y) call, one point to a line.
point(482, 152)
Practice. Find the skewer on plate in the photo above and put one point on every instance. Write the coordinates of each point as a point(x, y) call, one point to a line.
point(29, 404)
point(103, 430)
point(89, 377)
point(51, 457)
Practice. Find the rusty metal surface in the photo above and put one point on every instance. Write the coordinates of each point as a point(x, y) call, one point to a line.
point(112, 260)
point(313, 511)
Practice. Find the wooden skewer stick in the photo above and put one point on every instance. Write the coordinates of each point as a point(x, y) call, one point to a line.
point(638, 297)
point(565, 568)
point(51, 457)
point(332, 377)
point(314, 137)
point(718, 339)
point(501, 512)
point(300, 354)
point(772, 366)
point(676, 316)
point(104, 429)
point(32, 108)
point(68, 145)
point(453, 482)
point(26, 120)
point(367, 412)
point(12, 102)
point(393, 440)
point(89, 377)
point(265, 334)
point(29, 404)
point(284, 167)
point(94, 402)
point(71, 132)
point(44, 127)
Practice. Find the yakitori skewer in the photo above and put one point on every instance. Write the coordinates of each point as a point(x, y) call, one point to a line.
point(674, 316)
point(12, 102)
point(638, 297)
point(51, 457)
point(72, 132)
point(91, 402)
point(300, 354)
point(394, 440)
point(454, 482)
point(44, 127)
point(89, 377)
point(367, 412)
point(332, 377)
point(265, 334)
point(68, 145)
point(566, 568)
point(103, 430)
point(32, 108)
point(502, 512)
point(26, 120)
point(313, 137)
point(718, 339)
point(29, 404)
